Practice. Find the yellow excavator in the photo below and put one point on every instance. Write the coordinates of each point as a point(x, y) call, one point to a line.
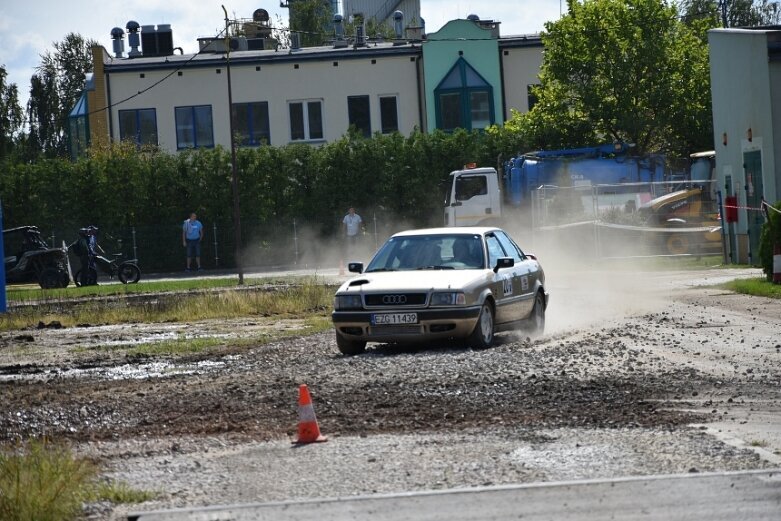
point(689, 218)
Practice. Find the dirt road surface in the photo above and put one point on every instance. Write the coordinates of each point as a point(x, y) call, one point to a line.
point(640, 373)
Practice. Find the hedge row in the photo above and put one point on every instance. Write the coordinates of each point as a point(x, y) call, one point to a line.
point(119, 188)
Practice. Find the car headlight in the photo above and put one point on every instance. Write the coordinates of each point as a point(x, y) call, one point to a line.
point(345, 302)
point(450, 298)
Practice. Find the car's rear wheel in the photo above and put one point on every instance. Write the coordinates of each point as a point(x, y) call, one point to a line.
point(349, 347)
point(49, 278)
point(483, 335)
point(535, 324)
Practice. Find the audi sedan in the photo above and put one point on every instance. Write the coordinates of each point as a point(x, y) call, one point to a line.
point(441, 284)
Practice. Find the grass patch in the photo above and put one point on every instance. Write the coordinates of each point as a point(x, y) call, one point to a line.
point(304, 299)
point(759, 287)
point(42, 481)
point(758, 443)
point(119, 492)
point(31, 292)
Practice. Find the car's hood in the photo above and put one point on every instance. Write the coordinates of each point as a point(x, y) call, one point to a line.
point(414, 280)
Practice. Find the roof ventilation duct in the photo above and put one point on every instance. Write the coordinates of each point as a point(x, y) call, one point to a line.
point(295, 42)
point(398, 28)
point(339, 41)
point(133, 39)
point(117, 37)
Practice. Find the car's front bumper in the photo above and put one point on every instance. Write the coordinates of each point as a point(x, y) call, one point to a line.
point(432, 324)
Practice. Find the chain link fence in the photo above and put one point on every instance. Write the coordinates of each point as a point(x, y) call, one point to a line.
point(284, 244)
point(676, 218)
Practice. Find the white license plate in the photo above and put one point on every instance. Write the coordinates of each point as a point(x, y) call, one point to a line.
point(394, 318)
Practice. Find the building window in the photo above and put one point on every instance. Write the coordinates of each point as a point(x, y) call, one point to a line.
point(306, 120)
point(250, 124)
point(389, 114)
point(194, 127)
point(358, 114)
point(138, 126)
point(464, 99)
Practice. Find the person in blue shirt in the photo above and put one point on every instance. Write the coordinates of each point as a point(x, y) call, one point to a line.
point(192, 235)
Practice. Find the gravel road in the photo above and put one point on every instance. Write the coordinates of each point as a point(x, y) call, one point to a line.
point(640, 373)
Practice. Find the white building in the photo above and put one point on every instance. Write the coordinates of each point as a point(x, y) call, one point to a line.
point(746, 89)
point(314, 95)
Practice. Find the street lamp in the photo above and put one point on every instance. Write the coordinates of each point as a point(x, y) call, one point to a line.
point(235, 174)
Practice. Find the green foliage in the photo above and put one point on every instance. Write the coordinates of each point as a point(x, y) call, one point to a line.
point(42, 482)
point(54, 90)
point(625, 70)
point(757, 287)
point(120, 492)
point(311, 18)
point(11, 115)
point(770, 236)
point(400, 178)
point(732, 13)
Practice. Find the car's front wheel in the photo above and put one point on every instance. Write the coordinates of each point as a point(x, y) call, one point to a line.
point(349, 347)
point(483, 335)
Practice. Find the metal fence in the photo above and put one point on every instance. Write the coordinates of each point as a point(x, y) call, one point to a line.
point(629, 220)
point(289, 244)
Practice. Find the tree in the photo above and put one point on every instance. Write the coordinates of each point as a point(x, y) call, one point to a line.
point(11, 115)
point(623, 70)
point(55, 89)
point(732, 13)
point(312, 19)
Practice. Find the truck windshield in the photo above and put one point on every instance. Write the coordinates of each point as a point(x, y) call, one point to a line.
point(468, 187)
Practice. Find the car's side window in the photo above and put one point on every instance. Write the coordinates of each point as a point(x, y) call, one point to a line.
point(494, 250)
point(510, 247)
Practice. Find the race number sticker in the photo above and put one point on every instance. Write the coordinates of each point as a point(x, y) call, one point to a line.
point(507, 286)
point(524, 283)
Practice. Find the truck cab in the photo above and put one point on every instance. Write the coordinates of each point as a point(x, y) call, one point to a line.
point(473, 197)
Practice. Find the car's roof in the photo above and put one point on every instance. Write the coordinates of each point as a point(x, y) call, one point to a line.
point(460, 230)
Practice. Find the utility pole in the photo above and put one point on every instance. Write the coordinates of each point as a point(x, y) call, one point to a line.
point(235, 174)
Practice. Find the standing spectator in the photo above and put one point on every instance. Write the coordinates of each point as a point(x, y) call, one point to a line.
point(352, 224)
point(192, 235)
point(82, 248)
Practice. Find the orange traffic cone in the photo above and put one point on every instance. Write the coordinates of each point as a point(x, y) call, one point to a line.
point(308, 431)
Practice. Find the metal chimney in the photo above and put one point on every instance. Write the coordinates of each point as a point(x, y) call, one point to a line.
point(339, 41)
point(398, 27)
point(133, 38)
point(117, 35)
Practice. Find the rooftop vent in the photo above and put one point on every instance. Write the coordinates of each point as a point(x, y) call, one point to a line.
point(339, 41)
point(133, 38)
point(398, 27)
point(118, 35)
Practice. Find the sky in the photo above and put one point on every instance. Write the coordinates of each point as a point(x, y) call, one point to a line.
point(29, 28)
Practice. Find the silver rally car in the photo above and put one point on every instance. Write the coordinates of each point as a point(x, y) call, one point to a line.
point(441, 283)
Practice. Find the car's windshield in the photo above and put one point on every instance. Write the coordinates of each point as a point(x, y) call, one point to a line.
point(429, 252)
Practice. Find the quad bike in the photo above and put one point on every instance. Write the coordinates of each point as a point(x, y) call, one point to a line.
point(30, 259)
point(126, 271)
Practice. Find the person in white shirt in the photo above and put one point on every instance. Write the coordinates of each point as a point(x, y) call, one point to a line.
point(353, 225)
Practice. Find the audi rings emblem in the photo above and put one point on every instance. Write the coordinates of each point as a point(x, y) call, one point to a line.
point(394, 299)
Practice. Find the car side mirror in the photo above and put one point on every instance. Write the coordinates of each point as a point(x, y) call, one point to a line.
point(355, 267)
point(504, 262)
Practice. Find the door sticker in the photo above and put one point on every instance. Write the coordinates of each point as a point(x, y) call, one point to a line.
point(524, 283)
point(507, 285)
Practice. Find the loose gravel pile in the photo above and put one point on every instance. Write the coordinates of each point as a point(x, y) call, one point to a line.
point(632, 395)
